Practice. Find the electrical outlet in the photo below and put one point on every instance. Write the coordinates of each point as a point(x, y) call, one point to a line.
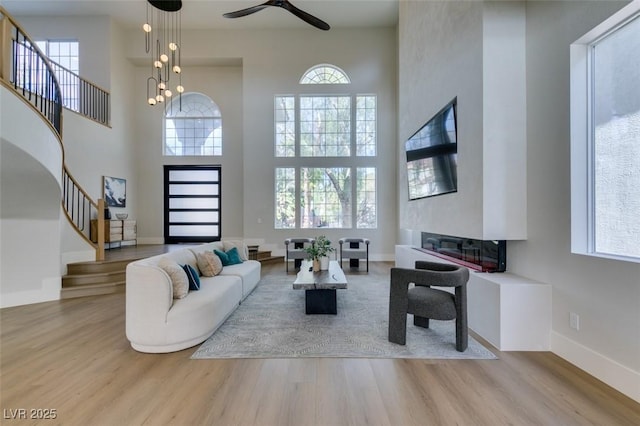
point(574, 321)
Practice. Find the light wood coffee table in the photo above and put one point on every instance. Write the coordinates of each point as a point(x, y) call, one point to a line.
point(320, 287)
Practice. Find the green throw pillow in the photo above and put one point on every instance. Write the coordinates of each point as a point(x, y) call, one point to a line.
point(223, 257)
point(231, 257)
point(234, 256)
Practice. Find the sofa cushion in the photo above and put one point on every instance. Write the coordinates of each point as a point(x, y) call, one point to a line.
point(179, 279)
point(192, 275)
point(248, 271)
point(209, 264)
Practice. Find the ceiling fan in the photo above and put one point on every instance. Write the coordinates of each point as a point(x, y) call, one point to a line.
point(285, 4)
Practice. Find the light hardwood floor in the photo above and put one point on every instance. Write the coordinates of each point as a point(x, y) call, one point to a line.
point(72, 356)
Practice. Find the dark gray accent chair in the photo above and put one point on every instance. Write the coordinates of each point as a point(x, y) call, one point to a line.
point(295, 249)
point(427, 303)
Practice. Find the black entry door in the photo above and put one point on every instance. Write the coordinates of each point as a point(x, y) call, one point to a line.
point(192, 207)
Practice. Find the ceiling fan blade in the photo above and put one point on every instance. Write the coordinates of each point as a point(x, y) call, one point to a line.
point(307, 17)
point(245, 12)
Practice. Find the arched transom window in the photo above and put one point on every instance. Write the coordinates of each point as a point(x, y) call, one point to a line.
point(324, 74)
point(195, 129)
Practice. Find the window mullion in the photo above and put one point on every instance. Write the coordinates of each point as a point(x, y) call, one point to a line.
point(591, 231)
point(298, 173)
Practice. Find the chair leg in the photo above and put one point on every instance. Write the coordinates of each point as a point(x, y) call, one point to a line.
point(398, 304)
point(462, 324)
point(397, 328)
point(420, 321)
point(462, 336)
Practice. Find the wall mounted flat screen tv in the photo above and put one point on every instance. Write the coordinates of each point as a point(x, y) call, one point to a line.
point(432, 155)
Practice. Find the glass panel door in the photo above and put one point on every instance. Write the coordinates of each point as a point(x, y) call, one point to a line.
point(192, 204)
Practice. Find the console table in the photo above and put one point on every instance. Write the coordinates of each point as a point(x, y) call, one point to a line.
point(115, 232)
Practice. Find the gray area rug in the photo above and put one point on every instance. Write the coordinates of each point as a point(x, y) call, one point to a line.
point(271, 323)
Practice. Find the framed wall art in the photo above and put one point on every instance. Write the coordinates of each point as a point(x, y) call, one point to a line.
point(115, 191)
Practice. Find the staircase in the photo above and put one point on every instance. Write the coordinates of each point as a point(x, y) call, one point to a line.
point(94, 278)
point(34, 78)
point(265, 257)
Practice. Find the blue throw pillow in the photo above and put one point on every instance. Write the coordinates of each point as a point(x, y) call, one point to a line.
point(194, 278)
point(231, 257)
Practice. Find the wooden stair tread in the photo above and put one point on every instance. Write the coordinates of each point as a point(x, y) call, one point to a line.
point(271, 259)
point(76, 280)
point(94, 278)
point(92, 290)
point(98, 266)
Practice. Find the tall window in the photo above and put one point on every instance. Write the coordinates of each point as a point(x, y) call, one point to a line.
point(285, 197)
point(320, 136)
point(65, 54)
point(366, 207)
point(606, 132)
point(325, 198)
point(285, 122)
point(195, 129)
point(366, 125)
point(325, 126)
point(30, 73)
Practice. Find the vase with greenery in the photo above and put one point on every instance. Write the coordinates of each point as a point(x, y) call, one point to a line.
point(319, 252)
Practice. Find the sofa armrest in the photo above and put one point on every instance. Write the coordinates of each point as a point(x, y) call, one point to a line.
point(149, 296)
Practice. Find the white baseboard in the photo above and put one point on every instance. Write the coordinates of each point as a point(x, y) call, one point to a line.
point(50, 291)
point(152, 240)
point(609, 371)
point(372, 257)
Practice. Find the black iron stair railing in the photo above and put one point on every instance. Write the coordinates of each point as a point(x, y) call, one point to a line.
point(28, 72)
point(82, 96)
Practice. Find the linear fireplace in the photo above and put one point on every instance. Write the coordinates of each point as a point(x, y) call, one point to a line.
point(480, 255)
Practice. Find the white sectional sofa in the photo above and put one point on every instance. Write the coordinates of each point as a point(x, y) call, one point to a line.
point(158, 323)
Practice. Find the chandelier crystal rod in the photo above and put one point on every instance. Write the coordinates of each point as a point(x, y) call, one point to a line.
point(163, 38)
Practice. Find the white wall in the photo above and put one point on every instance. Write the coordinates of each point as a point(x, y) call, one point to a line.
point(271, 62)
point(440, 57)
point(604, 293)
point(30, 251)
point(223, 84)
point(92, 34)
point(30, 193)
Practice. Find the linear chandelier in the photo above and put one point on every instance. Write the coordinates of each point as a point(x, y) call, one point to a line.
point(163, 37)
